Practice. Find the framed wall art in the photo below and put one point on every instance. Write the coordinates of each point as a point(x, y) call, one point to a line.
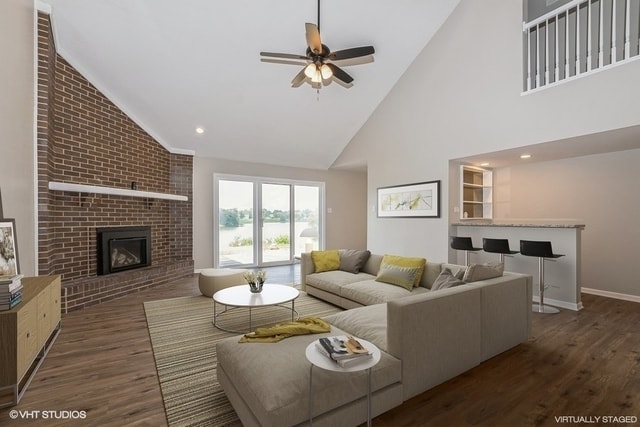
point(9, 265)
point(420, 200)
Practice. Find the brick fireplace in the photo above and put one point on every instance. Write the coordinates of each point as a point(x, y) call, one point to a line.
point(83, 138)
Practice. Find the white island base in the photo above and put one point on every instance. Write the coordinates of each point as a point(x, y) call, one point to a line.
point(562, 276)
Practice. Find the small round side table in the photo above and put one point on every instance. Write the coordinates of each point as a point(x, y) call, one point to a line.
point(323, 362)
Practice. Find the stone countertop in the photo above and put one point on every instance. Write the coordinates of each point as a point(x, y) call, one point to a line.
point(541, 223)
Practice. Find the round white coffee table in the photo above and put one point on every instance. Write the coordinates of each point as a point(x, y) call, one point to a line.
point(240, 296)
point(321, 361)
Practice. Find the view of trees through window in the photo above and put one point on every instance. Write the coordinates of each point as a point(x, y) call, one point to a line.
point(280, 231)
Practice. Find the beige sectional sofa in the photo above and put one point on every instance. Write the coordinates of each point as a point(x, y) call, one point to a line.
point(426, 337)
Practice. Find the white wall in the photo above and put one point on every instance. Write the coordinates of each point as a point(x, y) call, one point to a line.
point(460, 97)
point(345, 193)
point(599, 190)
point(17, 125)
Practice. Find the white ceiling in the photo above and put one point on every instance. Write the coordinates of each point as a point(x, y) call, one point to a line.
point(173, 66)
point(585, 145)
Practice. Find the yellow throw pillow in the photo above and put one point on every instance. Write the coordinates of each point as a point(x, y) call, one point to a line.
point(325, 260)
point(399, 276)
point(402, 261)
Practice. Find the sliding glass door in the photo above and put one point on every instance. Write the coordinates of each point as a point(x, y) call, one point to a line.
point(275, 223)
point(262, 221)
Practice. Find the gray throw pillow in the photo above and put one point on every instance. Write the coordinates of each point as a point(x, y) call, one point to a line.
point(446, 279)
point(476, 272)
point(352, 260)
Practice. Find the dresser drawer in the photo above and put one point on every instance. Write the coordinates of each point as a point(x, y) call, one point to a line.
point(27, 336)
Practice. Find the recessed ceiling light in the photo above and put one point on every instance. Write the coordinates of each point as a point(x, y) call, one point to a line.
point(200, 130)
point(484, 164)
point(525, 156)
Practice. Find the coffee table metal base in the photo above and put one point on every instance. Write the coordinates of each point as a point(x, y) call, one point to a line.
point(294, 315)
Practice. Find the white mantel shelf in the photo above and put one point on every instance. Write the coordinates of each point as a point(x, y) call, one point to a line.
point(96, 189)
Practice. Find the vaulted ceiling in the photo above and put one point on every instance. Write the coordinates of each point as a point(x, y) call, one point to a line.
point(174, 66)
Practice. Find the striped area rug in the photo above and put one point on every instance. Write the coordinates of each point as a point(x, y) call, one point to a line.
point(184, 346)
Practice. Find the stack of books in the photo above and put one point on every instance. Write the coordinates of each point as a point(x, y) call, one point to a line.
point(10, 291)
point(345, 351)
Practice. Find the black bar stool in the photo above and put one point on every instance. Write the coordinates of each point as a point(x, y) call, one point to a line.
point(497, 246)
point(463, 244)
point(542, 250)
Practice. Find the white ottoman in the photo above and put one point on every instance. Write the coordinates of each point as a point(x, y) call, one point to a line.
point(211, 280)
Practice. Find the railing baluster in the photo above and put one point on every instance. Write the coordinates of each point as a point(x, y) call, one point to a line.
point(614, 32)
point(601, 35)
point(627, 32)
point(567, 67)
point(556, 70)
point(528, 59)
point(538, 56)
point(546, 53)
point(577, 40)
point(589, 32)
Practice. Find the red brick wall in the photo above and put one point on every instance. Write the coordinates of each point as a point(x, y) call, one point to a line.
point(83, 138)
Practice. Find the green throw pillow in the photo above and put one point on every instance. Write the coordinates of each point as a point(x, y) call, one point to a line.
point(399, 276)
point(325, 260)
point(402, 261)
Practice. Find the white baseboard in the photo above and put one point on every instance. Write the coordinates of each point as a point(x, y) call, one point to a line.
point(609, 294)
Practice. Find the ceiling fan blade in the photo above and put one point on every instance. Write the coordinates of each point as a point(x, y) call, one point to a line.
point(282, 61)
point(283, 55)
point(353, 52)
point(339, 74)
point(299, 78)
point(313, 38)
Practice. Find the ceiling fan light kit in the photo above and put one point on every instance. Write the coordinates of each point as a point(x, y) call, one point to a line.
point(319, 62)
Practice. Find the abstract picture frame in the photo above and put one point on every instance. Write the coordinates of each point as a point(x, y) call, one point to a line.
point(9, 263)
point(418, 200)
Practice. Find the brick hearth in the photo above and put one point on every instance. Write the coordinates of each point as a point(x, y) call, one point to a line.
point(83, 138)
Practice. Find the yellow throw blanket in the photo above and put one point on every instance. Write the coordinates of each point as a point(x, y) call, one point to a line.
point(304, 326)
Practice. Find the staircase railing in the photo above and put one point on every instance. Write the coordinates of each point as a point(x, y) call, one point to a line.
point(579, 38)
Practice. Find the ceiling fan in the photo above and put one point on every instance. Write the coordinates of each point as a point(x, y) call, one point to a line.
point(319, 61)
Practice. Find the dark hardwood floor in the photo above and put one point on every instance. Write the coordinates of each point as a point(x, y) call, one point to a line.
point(584, 364)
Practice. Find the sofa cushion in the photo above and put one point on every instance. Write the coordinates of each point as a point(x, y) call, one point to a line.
point(369, 322)
point(476, 272)
point(447, 279)
point(332, 281)
point(399, 276)
point(402, 261)
point(273, 379)
point(352, 260)
point(370, 292)
point(325, 260)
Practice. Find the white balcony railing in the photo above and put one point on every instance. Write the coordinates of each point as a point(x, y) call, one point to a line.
point(579, 38)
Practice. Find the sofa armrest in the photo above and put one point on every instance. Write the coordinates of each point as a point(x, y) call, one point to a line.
point(306, 267)
point(506, 312)
point(436, 335)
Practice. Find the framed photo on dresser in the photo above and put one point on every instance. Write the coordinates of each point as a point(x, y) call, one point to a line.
point(9, 265)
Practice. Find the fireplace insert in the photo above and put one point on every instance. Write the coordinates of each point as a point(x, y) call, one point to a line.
point(123, 248)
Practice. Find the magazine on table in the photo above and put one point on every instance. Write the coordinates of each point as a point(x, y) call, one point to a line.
point(343, 350)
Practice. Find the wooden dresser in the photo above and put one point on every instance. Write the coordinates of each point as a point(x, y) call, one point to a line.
point(27, 332)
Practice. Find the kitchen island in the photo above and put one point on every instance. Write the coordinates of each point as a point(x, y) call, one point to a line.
point(562, 276)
